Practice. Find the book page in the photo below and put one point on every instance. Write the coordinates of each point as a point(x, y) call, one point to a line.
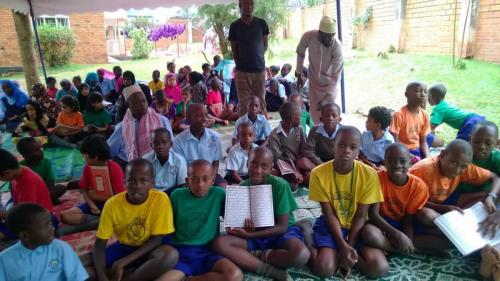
point(261, 205)
point(462, 229)
point(237, 206)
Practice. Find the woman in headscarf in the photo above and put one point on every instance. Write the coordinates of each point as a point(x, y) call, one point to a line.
point(121, 105)
point(173, 93)
point(83, 95)
point(92, 80)
point(48, 105)
point(67, 89)
point(13, 102)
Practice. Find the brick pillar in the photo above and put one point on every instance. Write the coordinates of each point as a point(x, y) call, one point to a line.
point(25, 38)
point(400, 26)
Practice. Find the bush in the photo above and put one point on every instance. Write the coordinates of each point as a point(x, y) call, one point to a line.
point(58, 43)
point(142, 46)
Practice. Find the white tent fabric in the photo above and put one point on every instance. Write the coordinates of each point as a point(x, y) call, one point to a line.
point(66, 7)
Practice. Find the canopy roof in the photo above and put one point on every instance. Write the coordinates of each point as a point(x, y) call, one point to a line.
point(65, 7)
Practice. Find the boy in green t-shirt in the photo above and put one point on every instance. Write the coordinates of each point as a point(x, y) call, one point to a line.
point(485, 155)
point(196, 217)
point(32, 152)
point(270, 250)
point(442, 112)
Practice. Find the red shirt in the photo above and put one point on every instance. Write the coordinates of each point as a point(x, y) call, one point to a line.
point(52, 92)
point(29, 187)
point(116, 177)
point(213, 97)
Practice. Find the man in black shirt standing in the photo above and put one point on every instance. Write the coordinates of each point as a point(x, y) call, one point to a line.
point(249, 41)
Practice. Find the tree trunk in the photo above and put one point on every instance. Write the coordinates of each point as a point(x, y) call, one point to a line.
point(25, 38)
point(223, 44)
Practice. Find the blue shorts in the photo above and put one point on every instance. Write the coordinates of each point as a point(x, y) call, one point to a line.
point(466, 129)
point(429, 139)
point(275, 242)
point(196, 260)
point(11, 235)
point(118, 250)
point(85, 208)
point(323, 238)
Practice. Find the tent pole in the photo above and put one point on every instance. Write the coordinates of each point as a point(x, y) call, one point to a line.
point(38, 41)
point(339, 27)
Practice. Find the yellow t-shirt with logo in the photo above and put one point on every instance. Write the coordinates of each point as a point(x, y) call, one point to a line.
point(134, 224)
point(360, 186)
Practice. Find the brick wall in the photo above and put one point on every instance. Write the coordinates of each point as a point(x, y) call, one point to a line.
point(380, 30)
point(88, 29)
point(9, 46)
point(429, 26)
point(90, 36)
point(487, 43)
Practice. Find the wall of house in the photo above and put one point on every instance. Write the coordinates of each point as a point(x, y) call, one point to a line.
point(88, 29)
point(487, 43)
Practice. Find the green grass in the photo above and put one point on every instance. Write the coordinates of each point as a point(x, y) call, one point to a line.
point(369, 80)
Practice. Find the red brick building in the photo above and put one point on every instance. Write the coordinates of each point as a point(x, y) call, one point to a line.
point(88, 29)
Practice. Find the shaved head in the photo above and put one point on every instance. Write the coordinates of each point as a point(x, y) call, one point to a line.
point(458, 146)
point(262, 151)
point(396, 147)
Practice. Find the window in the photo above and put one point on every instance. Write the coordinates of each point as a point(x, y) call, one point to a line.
point(57, 20)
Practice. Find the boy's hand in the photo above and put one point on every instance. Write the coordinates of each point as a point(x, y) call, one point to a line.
point(240, 232)
point(348, 255)
point(402, 243)
point(249, 225)
point(490, 226)
point(489, 203)
point(116, 271)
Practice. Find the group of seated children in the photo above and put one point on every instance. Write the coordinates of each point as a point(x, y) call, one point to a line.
point(164, 211)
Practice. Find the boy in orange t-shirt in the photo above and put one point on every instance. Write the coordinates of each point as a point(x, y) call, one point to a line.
point(391, 222)
point(410, 125)
point(443, 173)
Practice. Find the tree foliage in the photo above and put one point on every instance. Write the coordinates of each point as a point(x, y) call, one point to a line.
point(142, 46)
point(220, 16)
point(58, 43)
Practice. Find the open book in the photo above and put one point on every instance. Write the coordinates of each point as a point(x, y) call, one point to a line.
point(100, 181)
point(255, 202)
point(462, 229)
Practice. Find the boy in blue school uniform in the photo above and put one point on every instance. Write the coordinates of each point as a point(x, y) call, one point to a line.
point(199, 142)
point(377, 137)
point(267, 251)
point(260, 125)
point(170, 168)
point(237, 158)
point(37, 255)
point(196, 214)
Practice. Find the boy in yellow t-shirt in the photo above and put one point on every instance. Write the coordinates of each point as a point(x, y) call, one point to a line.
point(140, 218)
point(156, 84)
point(345, 188)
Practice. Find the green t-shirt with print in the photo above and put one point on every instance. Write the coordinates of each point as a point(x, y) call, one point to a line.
point(491, 163)
point(283, 200)
point(196, 219)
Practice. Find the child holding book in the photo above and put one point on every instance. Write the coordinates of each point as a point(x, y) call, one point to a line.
point(35, 122)
point(237, 158)
point(306, 120)
point(320, 140)
point(196, 215)
point(260, 125)
point(443, 112)
point(391, 222)
point(70, 123)
point(37, 255)
point(139, 218)
point(102, 178)
point(32, 151)
point(26, 187)
point(444, 172)
point(345, 188)
point(288, 143)
point(267, 251)
point(97, 118)
point(170, 168)
point(376, 138)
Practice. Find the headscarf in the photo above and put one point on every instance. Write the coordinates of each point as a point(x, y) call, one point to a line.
point(91, 77)
point(19, 96)
point(174, 92)
point(51, 107)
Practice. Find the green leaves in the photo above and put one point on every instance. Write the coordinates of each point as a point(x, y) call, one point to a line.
point(142, 46)
point(58, 43)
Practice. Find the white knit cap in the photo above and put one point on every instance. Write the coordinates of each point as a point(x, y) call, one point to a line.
point(328, 25)
point(130, 90)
